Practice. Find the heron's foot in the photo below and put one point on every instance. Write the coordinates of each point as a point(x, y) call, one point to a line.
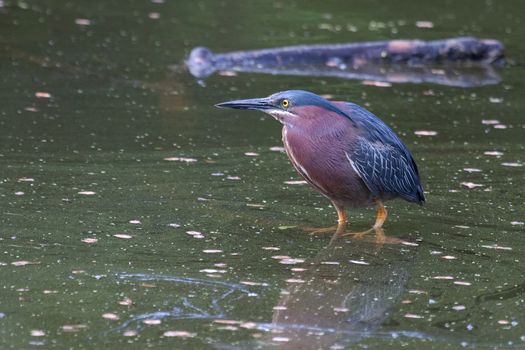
point(377, 235)
point(317, 230)
point(358, 235)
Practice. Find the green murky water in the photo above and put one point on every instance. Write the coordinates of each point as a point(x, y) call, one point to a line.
point(104, 243)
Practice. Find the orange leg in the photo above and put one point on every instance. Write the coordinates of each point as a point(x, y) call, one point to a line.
point(381, 215)
point(341, 219)
point(341, 223)
point(377, 228)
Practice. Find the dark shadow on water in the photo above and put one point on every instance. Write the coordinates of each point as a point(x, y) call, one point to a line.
point(345, 294)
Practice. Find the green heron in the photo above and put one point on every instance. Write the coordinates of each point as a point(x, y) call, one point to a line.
point(343, 151)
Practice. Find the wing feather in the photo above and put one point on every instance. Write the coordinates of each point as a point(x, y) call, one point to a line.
point(381, 159)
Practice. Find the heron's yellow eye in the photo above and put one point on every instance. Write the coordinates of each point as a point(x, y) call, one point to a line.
point(285, 103)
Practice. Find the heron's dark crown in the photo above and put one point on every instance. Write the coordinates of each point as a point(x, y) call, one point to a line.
point(300, 98)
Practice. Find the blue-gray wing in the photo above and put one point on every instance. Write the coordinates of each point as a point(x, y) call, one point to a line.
point(381, 159)
point(386, 171)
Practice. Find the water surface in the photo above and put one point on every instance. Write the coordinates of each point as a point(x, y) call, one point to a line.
point(95, 245)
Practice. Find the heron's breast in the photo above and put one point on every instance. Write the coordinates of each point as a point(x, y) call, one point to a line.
point(323, 163)
point(302, 157)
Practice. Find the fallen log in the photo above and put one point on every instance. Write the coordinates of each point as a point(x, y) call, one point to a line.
point(394, 61)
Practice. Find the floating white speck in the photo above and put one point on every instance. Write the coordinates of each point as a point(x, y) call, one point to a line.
point(425, 132)
point(490, 121)
point(87, 193)
point(424, 24)
point(296, 182)
point(23, 263)
point(271, 248)
point(472, 170)
point(291, 261)
point(249, 325)
point(442, 278)
point(281, 339)
point(411, 244)
point(110, 316)
point(496, 247)
point(19, 193)
point(280, 307)
point(376, 83)
point(152, 321)
point(174, 225)
point(413, 316)
point(330, 262)
point(37, 333)
point(42, 94)
point(341, 309)
point(125, 302)
point(515, 223)
point(135, 222)
point(512, 164)
point(90, 240)
point(495, 99)
point(458, 307)
point(73, 327)
point(298, 269)
point(122, 236)
point(462, 283)
point(448, 257)
point(277, 149)
point(230, 322)
point(153, 15)
point(286, 227)
point(493, 153)
point(180, 159)
point(212, 271)
point(26, 179)
point(280, 257)
point(417, 291)
point(251, 154)
point(294, 280)
point(195, 234)
point(500, 126)
point(129, 333)
point(251, 283)
point(212, 251)
point(503, 322)
point(228, 73)
point(359, 262)
point(254, 205)
point(82, 21)
point(181, 334)
point(235, 178)
point(471, 185)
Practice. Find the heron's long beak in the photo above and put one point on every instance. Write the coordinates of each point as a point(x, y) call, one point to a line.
point(259, 104)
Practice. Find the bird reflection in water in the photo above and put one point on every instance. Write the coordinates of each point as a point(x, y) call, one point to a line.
point(343, 296)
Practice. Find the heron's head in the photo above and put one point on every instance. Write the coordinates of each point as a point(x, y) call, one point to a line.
point(289, 107)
